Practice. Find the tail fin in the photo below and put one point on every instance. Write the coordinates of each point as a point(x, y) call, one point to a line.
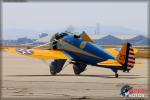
point(126, 57)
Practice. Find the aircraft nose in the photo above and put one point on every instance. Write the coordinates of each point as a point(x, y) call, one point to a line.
point(53, 36)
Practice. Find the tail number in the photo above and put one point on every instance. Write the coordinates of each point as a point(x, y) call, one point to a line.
point(122, 57)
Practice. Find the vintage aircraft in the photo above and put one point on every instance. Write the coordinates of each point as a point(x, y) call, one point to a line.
point(81, 51)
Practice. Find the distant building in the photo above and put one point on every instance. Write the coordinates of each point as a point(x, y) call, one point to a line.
point(43, 35)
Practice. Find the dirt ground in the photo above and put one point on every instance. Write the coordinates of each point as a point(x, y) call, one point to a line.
point(25, 77)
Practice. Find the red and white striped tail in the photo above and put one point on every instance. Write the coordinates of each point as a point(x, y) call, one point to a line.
point(126, 57)
point(130, 59)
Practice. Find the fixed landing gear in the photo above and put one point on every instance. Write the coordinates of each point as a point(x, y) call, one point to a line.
point(78, 68)
point(56, 66)
point(116, 74)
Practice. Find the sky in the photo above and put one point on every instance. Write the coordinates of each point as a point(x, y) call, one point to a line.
point(20, 19)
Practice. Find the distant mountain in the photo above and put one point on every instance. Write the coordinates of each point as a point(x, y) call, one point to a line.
point(139, 40)
point(120, 31)
point(103, 40)
point(112, 40)
point(108, 35)
point(107, 30)
point(109, 40)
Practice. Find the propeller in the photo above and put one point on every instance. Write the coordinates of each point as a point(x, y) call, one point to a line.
point(48, 43)
point(70, 29)
point(54, 37)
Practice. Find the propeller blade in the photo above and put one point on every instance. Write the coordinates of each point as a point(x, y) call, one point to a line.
point(42, 45)
point(70, 29)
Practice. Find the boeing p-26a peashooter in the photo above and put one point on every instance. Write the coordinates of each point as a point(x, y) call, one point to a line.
point(81, 51)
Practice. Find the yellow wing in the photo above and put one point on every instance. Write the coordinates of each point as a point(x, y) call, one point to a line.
point(38, 53)
point(115, 52)
point(109, 63)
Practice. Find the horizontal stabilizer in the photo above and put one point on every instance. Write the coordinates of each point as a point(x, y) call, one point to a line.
point(115, 51)
point(109, 62)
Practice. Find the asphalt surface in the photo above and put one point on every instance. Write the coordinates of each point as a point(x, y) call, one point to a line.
point(25, 77)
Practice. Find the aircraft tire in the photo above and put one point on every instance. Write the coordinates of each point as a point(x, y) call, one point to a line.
point(75, 68)
point(116, 75)
point(52, 69)
point(79, 68)
point(56, 66)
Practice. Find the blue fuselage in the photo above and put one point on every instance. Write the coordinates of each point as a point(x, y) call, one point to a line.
point(80, 50)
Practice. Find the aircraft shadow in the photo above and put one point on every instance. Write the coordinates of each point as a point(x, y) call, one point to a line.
point(85, 75)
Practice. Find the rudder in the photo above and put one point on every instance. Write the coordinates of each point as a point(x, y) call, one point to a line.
point(126, 57)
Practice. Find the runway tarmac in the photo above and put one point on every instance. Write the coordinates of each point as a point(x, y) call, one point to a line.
point(25, 77)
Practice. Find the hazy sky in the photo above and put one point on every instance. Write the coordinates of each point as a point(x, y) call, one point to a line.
point(55, 15)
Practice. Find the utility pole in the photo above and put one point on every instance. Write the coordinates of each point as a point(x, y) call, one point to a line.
point(97, 28)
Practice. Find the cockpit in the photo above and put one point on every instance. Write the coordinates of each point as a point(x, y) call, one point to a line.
point(55, 38)
point(58, 36)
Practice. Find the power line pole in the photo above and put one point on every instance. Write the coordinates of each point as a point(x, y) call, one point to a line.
point(97, 28)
